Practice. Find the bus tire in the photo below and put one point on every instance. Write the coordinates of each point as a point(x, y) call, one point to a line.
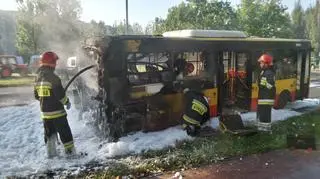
point(283, 100)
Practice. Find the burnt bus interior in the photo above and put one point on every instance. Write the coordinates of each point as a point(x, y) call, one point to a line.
point(142, 77)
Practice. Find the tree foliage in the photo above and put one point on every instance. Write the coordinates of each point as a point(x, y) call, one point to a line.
point(265, 18)
point(312, 15)
point(47, 25)
point(299, 21)
point(133, 29)
point(198, 14)
point(55, 24)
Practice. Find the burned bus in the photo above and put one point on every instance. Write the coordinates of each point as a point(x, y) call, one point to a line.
point(140, 77)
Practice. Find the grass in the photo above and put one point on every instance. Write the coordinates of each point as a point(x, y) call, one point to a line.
point(204, 151)
point(16, 81)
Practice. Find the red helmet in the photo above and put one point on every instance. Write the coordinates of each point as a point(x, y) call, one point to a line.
point(267, 59)
point(49, 59)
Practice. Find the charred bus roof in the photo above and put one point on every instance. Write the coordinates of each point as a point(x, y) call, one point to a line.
point(210, 40)
point(143, 43)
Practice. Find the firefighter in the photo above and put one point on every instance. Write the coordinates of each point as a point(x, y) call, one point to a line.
point(196, 111)
point(49, 92)
point(267, 90)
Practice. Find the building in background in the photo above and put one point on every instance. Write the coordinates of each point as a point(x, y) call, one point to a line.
point(8, 32)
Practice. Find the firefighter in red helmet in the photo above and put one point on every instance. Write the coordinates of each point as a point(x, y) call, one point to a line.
point(49, 92)
point(267, 90)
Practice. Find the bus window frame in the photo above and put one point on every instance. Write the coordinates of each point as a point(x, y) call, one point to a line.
point(147, 74)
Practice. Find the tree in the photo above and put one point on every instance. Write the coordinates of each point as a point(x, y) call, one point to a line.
point(137, 29)
point(149, 29)
point(94, 29)
point(299, 21)
point(265, 18)
point(48, 25)
point(313, 26)
point(28, 29)
point(198, 14)
point(134, 29)
point(158, 25)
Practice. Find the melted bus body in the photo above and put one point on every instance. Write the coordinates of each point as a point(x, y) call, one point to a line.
point(140, 76)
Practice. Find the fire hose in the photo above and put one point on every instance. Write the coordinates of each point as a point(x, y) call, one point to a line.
point(76, 75)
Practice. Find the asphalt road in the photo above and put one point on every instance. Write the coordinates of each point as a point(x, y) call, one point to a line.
point(13, 96)
point(314, 92)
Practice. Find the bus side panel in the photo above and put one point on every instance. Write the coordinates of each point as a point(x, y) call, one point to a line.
point(288, 85)
point(285, 85)
point(212, 95)
point(254, 96)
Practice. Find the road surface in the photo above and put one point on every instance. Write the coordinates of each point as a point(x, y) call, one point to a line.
point(283, 164)
point(315, 90)
point(11, 96)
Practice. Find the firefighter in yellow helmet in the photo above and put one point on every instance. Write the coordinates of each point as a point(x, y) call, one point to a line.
point(267, 90)
point(49, 92)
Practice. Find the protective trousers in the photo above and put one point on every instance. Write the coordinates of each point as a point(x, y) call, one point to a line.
point(264, 117)
point(51, 128)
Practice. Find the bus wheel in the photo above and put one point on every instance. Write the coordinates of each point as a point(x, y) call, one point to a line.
point(283, 100)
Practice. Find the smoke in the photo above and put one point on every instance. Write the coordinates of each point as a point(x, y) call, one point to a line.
point(54, 25)
point(65, 37)
point(89, 77)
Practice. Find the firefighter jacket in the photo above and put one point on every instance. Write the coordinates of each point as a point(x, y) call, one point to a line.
point(49, 91)
point(267, 89)
point(196, 110)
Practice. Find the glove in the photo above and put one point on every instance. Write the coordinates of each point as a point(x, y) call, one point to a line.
point(192, 130)
point(68, 105)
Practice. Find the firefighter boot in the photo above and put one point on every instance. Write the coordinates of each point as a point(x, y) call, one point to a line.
point(51, 146)
point(263, 126)
point(69, 149)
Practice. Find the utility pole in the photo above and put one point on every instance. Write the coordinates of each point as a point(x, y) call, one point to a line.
point(127, 24)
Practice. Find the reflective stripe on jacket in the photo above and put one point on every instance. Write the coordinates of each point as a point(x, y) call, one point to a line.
point(53, 114)
point(50, 93)
point(267, 89)
point(265, 101)
point(197, 110)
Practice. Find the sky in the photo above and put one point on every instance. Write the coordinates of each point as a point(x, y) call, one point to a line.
point(141, 11)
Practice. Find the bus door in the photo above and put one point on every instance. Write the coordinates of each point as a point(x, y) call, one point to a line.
point(303, 74)
point(235, 83)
